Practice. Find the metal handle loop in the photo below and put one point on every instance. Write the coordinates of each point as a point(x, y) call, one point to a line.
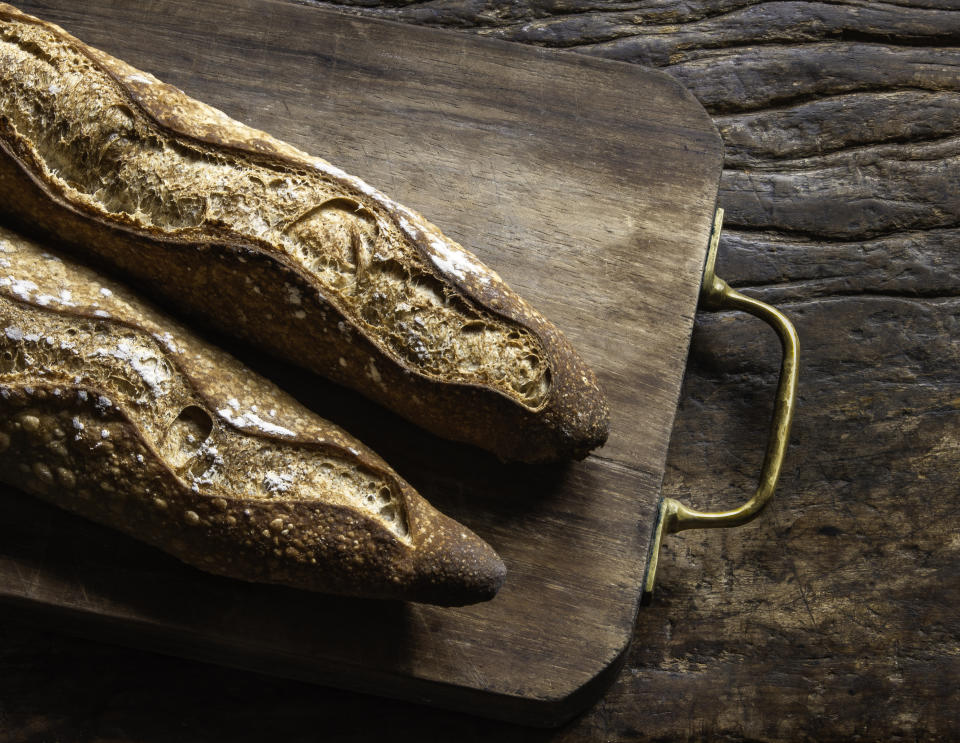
point(673, 516)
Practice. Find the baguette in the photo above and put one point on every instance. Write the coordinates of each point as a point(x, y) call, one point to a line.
point(112, 411)
point(228, 225)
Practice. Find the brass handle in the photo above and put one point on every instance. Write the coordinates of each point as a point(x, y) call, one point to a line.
point(673, 516)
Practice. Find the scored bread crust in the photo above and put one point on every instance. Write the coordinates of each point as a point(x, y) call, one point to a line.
point(227, 224)
point(112, 411)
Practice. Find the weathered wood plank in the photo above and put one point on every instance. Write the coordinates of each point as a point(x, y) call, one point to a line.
point(777, 268)
point(865, 194)
point(905, 118)
point(632, 36)
point(753, 78)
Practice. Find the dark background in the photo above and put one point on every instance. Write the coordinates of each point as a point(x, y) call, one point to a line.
point(832, 617)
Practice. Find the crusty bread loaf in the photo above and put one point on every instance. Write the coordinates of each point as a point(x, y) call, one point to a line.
point(227, 224)
point(114, 412)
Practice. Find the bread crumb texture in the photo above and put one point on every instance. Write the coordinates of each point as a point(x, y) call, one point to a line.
point(51, 337)
point(97, 147)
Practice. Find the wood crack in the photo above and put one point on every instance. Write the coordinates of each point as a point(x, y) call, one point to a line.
point(917, 294)
point(824, 239)
point(824, 99)
point(896, 150)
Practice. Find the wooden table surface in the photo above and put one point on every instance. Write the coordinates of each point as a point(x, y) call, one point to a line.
point(835, 615)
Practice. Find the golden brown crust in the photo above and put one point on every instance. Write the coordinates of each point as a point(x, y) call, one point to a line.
point(326, 271)
point(112, 411)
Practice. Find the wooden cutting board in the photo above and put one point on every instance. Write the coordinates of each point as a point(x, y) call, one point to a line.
point(590, 186)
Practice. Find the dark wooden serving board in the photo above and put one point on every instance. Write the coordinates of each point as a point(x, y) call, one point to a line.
point(590, 186)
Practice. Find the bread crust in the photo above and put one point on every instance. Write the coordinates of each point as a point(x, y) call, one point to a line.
point(300, 259)
point(114, 412)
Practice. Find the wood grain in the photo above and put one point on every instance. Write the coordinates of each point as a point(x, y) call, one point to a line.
point(834, 616)
point(598, 210)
